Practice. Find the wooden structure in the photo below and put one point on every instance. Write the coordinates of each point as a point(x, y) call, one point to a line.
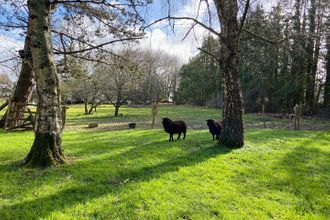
point(20, 117)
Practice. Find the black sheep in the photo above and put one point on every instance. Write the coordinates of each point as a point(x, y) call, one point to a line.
point(214, 127)
point(174, 127)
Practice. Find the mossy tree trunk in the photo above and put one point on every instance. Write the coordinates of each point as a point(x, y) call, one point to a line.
point(232, 135)
point(23, 89)
point(47, 147)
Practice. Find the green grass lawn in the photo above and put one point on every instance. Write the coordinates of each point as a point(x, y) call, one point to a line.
point(116, 173)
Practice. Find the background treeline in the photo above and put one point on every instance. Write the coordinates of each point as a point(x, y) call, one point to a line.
point(285, 63)
point(131, 75)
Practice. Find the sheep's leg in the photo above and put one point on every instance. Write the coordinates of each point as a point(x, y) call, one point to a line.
point(217, 137)
point(171, 137)
point(184, 135)
point(179, 136)
point(213, 136)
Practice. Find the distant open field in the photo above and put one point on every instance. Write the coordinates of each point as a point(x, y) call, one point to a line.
point(116, 173)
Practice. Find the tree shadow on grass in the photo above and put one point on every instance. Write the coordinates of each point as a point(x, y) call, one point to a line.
point(96, 181)
point(300, 175)
point(170, 162)
point(97, 143)
point(307, 178)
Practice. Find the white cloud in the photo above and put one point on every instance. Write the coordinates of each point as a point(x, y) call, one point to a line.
point(161, 37)
point(8, 49)
point(173, 45)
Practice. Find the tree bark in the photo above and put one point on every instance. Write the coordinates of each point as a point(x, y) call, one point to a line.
point(47, 147)
point(326, 102)
point(117, 110)
point(23, 89)
point(298, 68)
point(93, 106)
point(86, 106)
point(314, 67)
point(311, 51)
point(118, 102)
point(233, 133)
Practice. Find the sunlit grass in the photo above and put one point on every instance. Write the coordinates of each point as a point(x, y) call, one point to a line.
point(116, 173)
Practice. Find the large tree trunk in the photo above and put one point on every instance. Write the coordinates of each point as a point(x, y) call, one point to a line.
point(232, 135)
point(315, 67)
point(311, 51)
point(23, 89)
point(327, 80)
point(298, 68)
point(47, 146)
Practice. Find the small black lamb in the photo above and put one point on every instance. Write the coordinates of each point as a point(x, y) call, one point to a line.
point(214, 127)
point(174, 127)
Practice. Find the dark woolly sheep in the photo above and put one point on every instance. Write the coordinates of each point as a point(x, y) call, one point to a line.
point(174, 127)
point(214, 127)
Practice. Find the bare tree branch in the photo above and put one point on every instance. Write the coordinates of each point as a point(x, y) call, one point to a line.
point(7, 60)
point(100, 2)
point(183, 18)
point(263, 38)
point(86, 58)
point(100, 45)
point(246, 9)
point(218, 59)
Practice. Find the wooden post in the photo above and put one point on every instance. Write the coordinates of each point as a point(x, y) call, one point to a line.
point(296, 119)
point(263, 114)
point(154, 112)
point(299, 114)
point(263, 106)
